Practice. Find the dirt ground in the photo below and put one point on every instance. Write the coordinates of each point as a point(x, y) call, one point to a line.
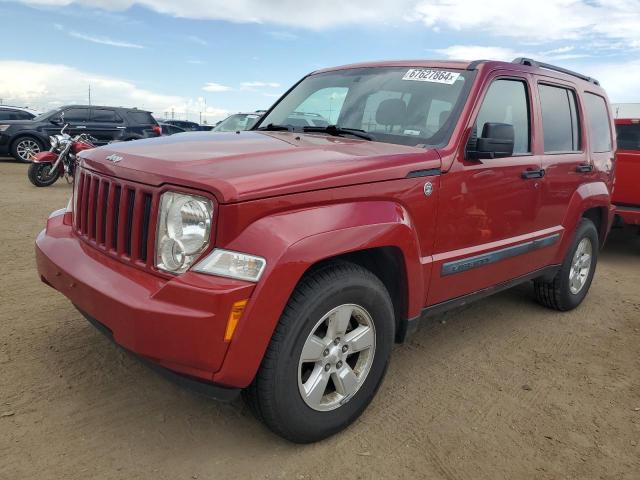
point(504, 389)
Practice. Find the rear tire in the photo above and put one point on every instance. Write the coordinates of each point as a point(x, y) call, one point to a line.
point(571, 284)
point(308, 349)
point(40, 174)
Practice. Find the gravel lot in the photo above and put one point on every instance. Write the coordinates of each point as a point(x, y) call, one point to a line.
point(501, 389)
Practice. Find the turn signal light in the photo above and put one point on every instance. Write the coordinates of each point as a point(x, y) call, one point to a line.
point(234, 317)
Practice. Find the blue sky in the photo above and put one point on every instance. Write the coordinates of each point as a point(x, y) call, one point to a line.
point(238, 56)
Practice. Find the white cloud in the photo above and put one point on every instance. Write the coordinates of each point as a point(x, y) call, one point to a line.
point(215, 87)
point(250, 85)
point(50, 85)
point(104, 40)
point(540, 21)
point(475, 52)
point(198, 40)
point(620, 80)
point(282, 35)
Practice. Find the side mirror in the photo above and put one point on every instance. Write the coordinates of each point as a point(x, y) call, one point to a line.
point(496, 142)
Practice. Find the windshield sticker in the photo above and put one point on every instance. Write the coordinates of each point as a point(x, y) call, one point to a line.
point(428, 75)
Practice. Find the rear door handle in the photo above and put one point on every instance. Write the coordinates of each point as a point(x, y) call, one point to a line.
point(80, 126)
point(584, 168)
point(527, 174)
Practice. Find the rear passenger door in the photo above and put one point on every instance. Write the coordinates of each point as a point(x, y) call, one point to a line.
point(105, 125)
point(562, 148)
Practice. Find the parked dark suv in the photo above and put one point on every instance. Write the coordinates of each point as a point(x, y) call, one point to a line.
point(184, 125)
point(16, 113)
point(25, 138)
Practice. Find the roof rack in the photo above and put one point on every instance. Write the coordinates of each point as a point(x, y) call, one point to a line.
point(534, 63)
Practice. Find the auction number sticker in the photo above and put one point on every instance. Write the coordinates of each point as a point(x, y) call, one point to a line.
point(429, 75)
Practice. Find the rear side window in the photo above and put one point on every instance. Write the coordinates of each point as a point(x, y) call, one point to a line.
point(507, 102)
point(560, 122)
point(598, 116)
point(628, 137)
point(76, 115)
point(105, 115)
point(142, 118)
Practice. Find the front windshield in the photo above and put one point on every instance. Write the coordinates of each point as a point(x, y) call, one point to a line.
point(239, 121)
point(44, 116)
point(402, 105)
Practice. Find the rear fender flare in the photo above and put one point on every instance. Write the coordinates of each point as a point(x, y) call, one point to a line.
point(587, 196)
point(294, 241)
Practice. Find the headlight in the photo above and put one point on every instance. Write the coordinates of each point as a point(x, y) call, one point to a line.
point(184, 228)
point(232, 264)
point(4, 127)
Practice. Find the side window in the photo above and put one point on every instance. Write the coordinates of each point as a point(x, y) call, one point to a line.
point(5, 115)
point(105, 115)
point(560, 123)
point(23, 116)
point(506, 101)
point(598, 116)
point(327, 102)
point(76, 115)
point(628, 137)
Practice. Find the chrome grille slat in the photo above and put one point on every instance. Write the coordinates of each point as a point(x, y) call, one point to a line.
point(115, 216)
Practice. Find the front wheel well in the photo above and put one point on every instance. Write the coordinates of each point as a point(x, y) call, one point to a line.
point(386, 263)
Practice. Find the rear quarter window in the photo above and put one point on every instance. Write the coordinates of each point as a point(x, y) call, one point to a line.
point(599, 123)
point(142, 118)
point(628, 137)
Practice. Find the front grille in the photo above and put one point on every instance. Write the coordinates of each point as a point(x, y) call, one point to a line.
point(116, 216)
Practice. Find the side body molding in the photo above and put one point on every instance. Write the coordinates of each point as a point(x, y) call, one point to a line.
point(295, 240)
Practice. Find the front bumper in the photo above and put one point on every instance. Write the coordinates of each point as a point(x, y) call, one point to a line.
point(178, 323)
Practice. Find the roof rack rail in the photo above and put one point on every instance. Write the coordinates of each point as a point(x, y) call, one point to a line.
point(534, 63)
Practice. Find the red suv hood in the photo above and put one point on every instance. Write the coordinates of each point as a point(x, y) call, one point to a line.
point(249, 165)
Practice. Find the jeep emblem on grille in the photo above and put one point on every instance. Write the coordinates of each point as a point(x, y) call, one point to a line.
point(114, 158)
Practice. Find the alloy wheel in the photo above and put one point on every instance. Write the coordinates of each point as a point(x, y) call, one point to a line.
point(27, 148)
point(336, 357)
point(580, 266)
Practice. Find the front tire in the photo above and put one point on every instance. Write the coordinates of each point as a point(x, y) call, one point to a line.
point(40, 174)
point(571, 284)
point(327, 356)
point(24, 148)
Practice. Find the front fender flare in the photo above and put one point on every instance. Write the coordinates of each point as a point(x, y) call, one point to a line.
point(294, 241)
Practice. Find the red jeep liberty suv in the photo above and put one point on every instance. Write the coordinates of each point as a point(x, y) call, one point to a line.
point(285, 261)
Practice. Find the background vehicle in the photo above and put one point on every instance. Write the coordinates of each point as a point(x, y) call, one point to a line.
point(185, 125)
point(169, 129)
point(25, 138)
point(307, 119)
point(60, 160)
point(285, 261)
point(237, 122)
point(626, 194)
point(16, 113)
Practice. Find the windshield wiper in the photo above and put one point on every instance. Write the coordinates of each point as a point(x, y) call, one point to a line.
point(274, 128)
point(336, 130)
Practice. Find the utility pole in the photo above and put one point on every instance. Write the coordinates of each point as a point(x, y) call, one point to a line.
point(89, 94)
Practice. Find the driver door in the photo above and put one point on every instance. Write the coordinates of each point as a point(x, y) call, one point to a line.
point(488, 210)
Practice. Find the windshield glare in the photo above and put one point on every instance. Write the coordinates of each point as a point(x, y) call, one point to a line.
point(239, 121)
point(402, 105)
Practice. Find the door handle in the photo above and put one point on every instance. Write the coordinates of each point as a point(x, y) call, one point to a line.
point(80, 126)
point(527, 174)
point(584, 168)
